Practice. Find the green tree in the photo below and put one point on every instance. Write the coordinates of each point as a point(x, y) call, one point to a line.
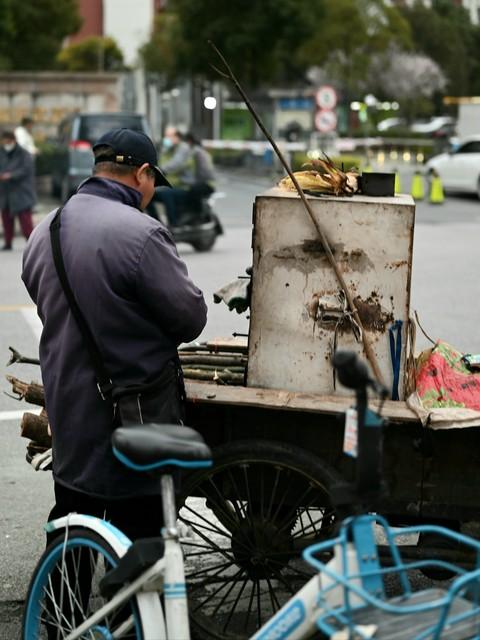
point(6, 31)
point(92, 54)
point(260, 38)
point(445, 34)
point(351, 35)
point(32, 31)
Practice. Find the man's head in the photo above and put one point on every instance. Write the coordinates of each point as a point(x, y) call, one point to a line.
point(172, 137)
point(27, 123)
point(130, 157)
point(8, 140)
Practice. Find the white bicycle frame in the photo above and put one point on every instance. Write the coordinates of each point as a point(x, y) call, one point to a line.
point(166, 576)
point(294, 621)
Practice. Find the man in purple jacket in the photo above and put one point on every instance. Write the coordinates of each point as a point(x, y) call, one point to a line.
point(137, 299)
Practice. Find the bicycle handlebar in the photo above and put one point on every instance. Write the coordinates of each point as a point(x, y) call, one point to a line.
point(353, 373)
point(368, 487)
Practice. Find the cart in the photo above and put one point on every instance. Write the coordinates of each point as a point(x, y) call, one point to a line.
point(278, 455)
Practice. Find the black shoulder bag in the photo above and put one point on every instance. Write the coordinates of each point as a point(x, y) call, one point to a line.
point(160, 401)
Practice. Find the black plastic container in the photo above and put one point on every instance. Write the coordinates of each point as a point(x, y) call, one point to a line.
point(377, 184)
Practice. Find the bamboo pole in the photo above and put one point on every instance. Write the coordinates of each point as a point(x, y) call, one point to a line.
point(370, 354)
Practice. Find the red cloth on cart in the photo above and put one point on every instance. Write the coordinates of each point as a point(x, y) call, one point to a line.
point(443, 379)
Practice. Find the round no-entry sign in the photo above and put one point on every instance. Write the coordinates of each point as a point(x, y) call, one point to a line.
point(325, 120)
point(326, 97)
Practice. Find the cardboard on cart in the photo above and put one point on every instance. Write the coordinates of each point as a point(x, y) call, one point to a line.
point(298, 312)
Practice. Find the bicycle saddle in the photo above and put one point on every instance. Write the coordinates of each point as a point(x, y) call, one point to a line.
point(146, 447)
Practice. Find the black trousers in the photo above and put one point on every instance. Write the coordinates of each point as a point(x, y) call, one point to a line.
point(138, 517)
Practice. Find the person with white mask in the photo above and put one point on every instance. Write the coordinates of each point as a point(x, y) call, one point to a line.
point(17, 188)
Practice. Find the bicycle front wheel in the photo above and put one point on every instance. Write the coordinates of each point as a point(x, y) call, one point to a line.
point(64, 591)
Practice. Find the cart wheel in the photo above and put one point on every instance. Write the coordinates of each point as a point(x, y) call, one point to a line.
point(253, 513)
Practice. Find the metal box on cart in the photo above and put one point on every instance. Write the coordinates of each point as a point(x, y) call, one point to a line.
point(298, 312)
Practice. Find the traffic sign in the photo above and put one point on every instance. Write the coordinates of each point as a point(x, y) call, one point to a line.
point(325, 120)
point(326, 97)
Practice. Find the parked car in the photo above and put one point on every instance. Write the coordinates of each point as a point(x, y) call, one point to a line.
point(391, 124)
point(459, 169)
point(439, 127)
point(73, 157)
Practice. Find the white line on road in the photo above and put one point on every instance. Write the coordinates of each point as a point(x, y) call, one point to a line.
point(16, 415)
point(33, 321)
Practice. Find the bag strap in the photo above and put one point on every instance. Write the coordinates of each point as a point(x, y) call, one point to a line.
point(104, 381)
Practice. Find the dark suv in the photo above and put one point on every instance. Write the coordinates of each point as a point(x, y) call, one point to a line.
point(73, 157)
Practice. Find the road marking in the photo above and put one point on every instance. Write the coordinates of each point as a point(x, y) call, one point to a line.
point(17, 415)
point(33, 321)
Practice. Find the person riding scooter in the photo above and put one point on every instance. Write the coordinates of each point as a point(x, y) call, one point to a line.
point(190, 170)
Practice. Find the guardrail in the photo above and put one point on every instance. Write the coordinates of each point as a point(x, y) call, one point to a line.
point(374, 149)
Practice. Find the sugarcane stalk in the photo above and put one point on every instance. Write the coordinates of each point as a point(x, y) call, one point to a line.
point(31, 392)
point(35, 428)
point(370, 354)
point(213, 368)
point(223, 377)
point(223, 360)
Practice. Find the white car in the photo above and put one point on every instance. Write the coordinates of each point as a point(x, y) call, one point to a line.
point(459, 169)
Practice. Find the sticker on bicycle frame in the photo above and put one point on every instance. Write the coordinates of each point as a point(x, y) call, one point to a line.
point(284, 622)
point(350, 436)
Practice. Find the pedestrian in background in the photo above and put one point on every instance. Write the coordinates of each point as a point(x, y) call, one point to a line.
point(17, 188)
point(23, 135)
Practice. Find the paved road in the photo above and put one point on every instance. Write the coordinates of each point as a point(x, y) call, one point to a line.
point(445, 291)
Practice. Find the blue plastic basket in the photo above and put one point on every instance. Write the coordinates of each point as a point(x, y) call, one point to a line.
point(356, 599)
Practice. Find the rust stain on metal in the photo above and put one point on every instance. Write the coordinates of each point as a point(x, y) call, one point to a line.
point(372, 315)
point(301, 255)
point(397, 264)
point(331, 317)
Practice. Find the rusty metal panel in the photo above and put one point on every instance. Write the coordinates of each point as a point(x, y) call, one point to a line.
point(297, 307)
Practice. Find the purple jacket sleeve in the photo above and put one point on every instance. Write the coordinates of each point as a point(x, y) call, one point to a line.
point(165, 288)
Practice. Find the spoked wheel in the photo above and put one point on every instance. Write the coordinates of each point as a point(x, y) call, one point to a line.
point(64, 591)
point(249, 518)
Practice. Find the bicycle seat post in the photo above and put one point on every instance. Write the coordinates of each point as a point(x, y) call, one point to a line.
point(169, 506)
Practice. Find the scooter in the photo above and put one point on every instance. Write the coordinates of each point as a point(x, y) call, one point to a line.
point(199, 229)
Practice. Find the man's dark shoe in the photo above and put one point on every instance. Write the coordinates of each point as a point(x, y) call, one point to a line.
point(7, 247)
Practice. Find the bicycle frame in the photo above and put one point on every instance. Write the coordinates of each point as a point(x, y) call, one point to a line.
point(165, 576)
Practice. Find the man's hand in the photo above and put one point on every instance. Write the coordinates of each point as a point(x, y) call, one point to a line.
point(5, 176)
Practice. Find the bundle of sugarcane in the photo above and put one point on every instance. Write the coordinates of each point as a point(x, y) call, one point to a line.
point(323, 177)
point(222, 367)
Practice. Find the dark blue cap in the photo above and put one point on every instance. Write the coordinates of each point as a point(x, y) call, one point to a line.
point(132, 148)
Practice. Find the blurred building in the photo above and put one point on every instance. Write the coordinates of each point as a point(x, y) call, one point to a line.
point(128, 22)
point(473, 7)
